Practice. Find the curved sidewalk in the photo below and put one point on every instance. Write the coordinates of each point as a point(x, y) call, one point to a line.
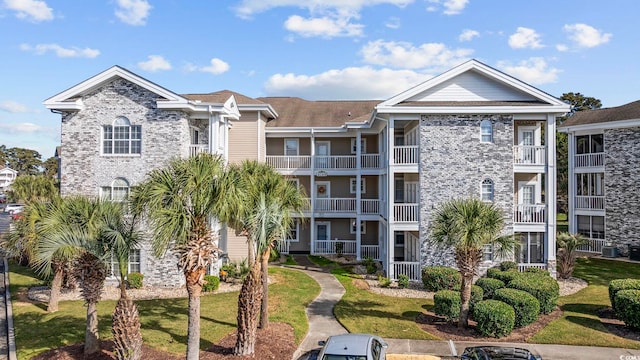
point(322, 324)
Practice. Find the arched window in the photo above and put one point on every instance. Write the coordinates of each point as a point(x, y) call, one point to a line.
point(486, 131)
point(118, 191)
point(121, 138)
point(486, 192)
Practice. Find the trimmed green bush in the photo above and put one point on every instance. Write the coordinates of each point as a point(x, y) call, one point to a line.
point(509, 266)
point(383, 281)
point(403, 281)
point(536, 270)
point(526, 307)
point(436, 278)
point(447, 304)
point(543, 288)
point(477, 295)
point(491, 272)
point(489, 286)
point(494, 318)
point(134, 280)
point(505, 276)
point(628, 304)
point(211, 283)
point(621, 284)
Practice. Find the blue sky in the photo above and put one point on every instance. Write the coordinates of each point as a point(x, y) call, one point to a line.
point(315, 49)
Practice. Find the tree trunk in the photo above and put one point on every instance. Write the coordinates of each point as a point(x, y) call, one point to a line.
point(248, 311)
point(194, 289)
point(91, 337)
point(264, 307)
point(56, 285)
point(465, 296)
point(126, 330)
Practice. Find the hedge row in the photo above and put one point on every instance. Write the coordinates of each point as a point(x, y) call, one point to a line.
point(544, 288)
point(621, 284)
point(447, 302)
point(526, 307)
point(494, 318)
point(628, 307)
point(489, 286)
point(436, 278)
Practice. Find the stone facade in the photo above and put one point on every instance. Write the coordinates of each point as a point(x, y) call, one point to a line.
point(453, 164)
point(165, 134)
point(622, 171)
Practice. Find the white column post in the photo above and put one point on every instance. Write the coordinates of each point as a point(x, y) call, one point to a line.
point(312, 198)
point(390, 197)
point(551, 194)
point(571, 188)
point(358, 194)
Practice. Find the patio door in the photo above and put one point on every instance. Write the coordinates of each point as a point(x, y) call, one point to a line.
point(322, 153)
point(526, 200)
point(323, 235)
point(526, 140)
point(323, 194)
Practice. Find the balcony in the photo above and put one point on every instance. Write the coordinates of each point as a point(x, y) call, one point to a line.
point(329, 247)
point(529, 155)
point(589, 160)
point(406, 155)
point(329, 162)
point(289, 162)
point(196, 149)
point(370, 206)
point(530, 214)
point(405, 212)
point(589, 202)
point(342, 205)
point(409, 268)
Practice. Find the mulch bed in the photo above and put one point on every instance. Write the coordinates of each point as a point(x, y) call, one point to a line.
point(276, 342)
point(615, 326)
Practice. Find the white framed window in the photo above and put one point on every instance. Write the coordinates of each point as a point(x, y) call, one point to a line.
point(353, 185)
point(354, 226)
point(363, 146)
point(487, 190)
point(486, 131)
point(294, 232)
point(487, 252)
point(121, 138)
point(291, 147)
point(295, 182)
point(399, 238)
point(133, 265)
point(117, 191)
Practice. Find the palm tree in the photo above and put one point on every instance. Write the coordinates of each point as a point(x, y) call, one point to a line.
point(263, 213)
point(567, 246)
point(467, 225)
point(180, 201)
point(34, 187)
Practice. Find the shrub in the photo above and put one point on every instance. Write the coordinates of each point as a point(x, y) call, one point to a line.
point(526, 306)
point(384, 281)
point(134, 280)
point(447, 304)
point(236, 270)
point(536, 270)
point(436, 278)
point(505, 276)
point(371, 265)
point(543, 288)
point(489, 286)
point(494, 318)
point(491, 272)
point(403, 281)
point(621, 284)
point(211, 283)
point(509, 266)
point(476, 296)
point(628, 304)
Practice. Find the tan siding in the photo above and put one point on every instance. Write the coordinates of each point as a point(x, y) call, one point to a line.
point(243, 138)
point(236, 246)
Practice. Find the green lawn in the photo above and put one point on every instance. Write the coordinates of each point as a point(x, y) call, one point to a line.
point(164, 322)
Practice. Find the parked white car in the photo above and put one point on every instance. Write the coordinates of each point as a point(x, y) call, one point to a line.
point(353, 347)
point(11, 208)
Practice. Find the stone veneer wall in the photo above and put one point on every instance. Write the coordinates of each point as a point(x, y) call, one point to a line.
point(621, 189)
point(165, 134)
point(453, 164)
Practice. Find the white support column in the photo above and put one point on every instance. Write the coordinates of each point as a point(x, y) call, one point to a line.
point(551, 194)
point(312, 190)
point(571, 188)
point(390, 198)
point(358, 194)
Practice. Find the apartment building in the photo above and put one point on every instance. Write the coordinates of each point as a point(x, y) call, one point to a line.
point(604, 196)
point(373, 170)
point(7, 175)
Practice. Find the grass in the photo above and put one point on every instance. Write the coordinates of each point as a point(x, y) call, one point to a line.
point(164, 321)
point(562, 222)
point(322, 261)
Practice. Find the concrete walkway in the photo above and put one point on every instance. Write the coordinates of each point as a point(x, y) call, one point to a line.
point(322, 324)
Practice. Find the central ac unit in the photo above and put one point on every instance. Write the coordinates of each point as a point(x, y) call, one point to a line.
point(610, 251)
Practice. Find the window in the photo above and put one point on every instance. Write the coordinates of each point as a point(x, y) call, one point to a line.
point(133, 266)
point(294, 230)
point(353, 185)
point(589, 144)
point(291, 147)
point(591, 227)
point(487, 252)
point(354, 228)
point(399, 238)
point(487, 190)
point(363, 146)
point(486, 131)
point(118, 191)
point(531, 248)
point(121, 138)
point(590, 184)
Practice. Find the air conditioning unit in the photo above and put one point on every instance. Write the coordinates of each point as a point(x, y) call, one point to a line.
point(609, 251)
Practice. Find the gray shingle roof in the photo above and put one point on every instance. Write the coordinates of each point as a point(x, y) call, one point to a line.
point(297, 112)
point(623, 112)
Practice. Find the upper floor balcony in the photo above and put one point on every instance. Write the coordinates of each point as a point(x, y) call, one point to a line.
point(589, 202)
point(344, 205)
point(406, 155)
point(527, 155)
point(324, 162)
point(589, 160)
point(530, 214)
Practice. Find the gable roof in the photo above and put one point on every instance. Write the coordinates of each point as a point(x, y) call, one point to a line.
point(297, 112)
point(245, 103)
point(629, 112)
point(473, 87)
point(6, 170)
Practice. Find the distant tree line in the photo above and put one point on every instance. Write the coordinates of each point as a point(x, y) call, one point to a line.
point(27, 162)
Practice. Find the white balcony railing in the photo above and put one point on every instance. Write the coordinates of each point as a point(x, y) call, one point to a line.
point(370, 251)
point(589, 160)
point(589, 202)
point(406, 155)
point(405, 212)
point(335, 162)
point(409, 268)
point(370, 206)
point(524, 266)
point(328, 247)
point(289, 162)
point(593, 246)
point(335, 205)
point(529, 214)
point(370, 161)
point(283, 246)
point(196, 149)
point(529, 155)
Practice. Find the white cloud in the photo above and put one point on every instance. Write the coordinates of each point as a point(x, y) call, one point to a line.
point(248, 8)
point(41, 49)
point(155, 63)
point(349, 83)
point(586, 36)
point(34, 10)
point(24, 128)
point(13, 107)
point(468, 35)
point(393, 23)
point(525, 38)
point(535, 71)
point(133, 12)
point(216, 67)
point(562, 47)
point(434, 56)
point(451, 7)
point(323, 26)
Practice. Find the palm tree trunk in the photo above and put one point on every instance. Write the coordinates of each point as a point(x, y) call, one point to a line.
point(465, 296)
point(194, 289)
point(264, 307)
point(91, 337)
point(126, 328)
point(56, 285)
point(248, 311)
